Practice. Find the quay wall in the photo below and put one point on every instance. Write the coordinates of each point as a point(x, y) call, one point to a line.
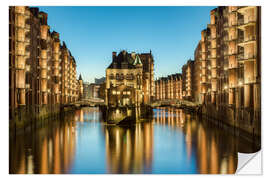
point(246, 121)
point(25, 117)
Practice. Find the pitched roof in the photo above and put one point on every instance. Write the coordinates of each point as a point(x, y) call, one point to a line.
point(137, 60)
point(123, 58)
point(80, 77)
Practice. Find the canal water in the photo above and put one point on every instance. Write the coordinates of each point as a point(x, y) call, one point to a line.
point(171, 142)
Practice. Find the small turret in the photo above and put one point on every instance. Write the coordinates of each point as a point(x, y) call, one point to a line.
point(80, 87)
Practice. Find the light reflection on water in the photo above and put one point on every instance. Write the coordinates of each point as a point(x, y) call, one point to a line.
point(171, 142)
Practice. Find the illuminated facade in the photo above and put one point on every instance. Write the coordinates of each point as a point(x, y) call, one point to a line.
point(134, 154)
point(225, 76)
point(199, 137)
point(227, 65)
point(169, 87)
point(147, 60)
point(129, 79)
point(42, 72)
point(188, 80)
point(229, 52)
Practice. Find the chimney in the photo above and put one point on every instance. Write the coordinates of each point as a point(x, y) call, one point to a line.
point(133, 55)
point(113, 55)
point(44, 18)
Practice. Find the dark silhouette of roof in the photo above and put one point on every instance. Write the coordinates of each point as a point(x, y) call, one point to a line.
point(125, 60)
point(80, 77)
point(64, 45)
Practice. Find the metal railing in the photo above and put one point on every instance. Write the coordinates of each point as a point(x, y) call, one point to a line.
point(240, 56)
point(250, 56)
point(247, 20)
point(240, 39)
point(240, 21)
point(250, 38)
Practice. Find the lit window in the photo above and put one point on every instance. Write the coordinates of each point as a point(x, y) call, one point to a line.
point(27, 68)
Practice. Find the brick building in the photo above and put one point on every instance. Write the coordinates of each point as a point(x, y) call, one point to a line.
point(129, 79)
point(228, 64)
point(168, 88)
point(42, 72)
point(225, 75)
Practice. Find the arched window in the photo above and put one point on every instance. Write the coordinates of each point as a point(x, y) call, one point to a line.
point(111, 76)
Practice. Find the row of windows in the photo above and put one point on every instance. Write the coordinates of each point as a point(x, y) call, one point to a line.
point(122, 76)
point(118, 92)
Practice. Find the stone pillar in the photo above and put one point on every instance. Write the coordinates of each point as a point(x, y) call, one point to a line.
point(213, 97)
point(203, 98)
point(44, 98)
point(231, 96)
point(247, 95)
point(21, 97)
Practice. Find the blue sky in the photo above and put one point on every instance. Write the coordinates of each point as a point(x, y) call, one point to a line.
point(92, 33)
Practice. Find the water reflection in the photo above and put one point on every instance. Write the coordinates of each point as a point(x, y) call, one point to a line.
point(201, 142)
point(171, 142)
point(129, 149)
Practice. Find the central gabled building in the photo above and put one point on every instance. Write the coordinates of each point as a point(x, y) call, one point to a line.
point(129, 79)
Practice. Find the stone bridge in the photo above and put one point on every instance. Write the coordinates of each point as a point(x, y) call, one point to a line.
point(86, 103)
point(176, 103)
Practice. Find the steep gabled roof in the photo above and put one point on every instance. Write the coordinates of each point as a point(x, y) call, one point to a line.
point(137, 60)
point(80, 77)
point(122, 58)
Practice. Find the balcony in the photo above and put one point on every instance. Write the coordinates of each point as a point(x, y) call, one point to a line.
point(240, 39)
point(250, 57)
point(233, 24)
point(243, 22)
point(240, 57)
point(242, 9)
point(232, 38)
point(250, 38)
point(240, 22)
point(247, 40)
point(249, 19)
point(232, 53)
